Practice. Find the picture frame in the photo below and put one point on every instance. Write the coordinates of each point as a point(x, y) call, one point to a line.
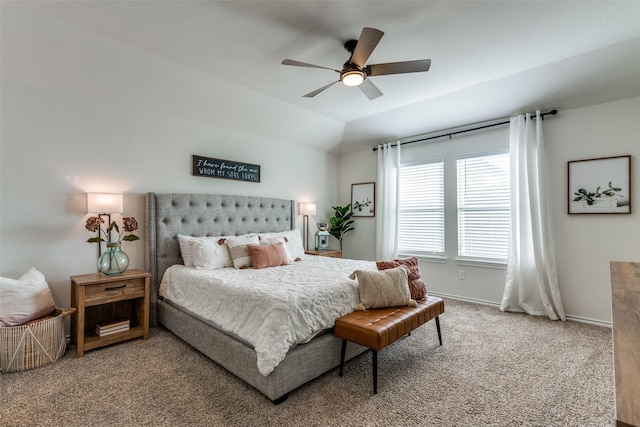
point(363, 199)
point(226, 169)
point(599, 186)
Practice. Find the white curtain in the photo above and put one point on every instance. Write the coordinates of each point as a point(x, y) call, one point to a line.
point(532, 283)
point(387, 198)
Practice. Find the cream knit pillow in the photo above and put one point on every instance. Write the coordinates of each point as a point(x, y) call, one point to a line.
point(238, 249)
point(387, 288)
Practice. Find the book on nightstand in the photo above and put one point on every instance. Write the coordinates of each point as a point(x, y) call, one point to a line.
point(112, 327)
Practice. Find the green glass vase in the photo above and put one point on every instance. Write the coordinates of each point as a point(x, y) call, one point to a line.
point(113, 260)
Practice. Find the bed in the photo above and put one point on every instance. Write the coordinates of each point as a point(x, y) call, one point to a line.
point(170, 215)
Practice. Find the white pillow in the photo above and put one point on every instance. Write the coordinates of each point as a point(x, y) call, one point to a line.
point(210, 253)
point(185, 250)
point(293, 242)
point(238, 249)
point(25, 299)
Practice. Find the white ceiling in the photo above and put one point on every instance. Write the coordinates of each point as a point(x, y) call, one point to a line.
point(489, 59)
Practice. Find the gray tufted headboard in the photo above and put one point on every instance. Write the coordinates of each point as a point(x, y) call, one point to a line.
point(168, 215)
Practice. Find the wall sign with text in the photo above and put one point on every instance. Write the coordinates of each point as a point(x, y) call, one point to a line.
point(226, 169)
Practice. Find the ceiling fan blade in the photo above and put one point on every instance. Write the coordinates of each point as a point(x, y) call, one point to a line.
point(368, 41)
point(398, 67)
point(304, 64)
point(317, 91)
point(368, 88)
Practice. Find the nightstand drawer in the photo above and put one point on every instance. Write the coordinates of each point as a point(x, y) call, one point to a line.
point(101, 293)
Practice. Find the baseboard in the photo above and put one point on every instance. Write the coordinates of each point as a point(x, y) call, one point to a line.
point(580, 319)
point(465, 299)
point(594, 322)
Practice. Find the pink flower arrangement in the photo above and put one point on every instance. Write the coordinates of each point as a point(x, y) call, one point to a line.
point(129, 225)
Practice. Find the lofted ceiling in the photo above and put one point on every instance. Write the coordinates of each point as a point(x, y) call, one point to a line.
point(489, 58)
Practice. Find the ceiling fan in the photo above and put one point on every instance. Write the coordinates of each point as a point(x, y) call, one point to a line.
point(356, 73)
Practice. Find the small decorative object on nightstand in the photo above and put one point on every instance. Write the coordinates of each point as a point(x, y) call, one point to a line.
point(331, 253)
point(322, 236)
point(105, 304)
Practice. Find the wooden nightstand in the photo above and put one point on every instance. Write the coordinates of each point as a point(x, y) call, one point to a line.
point(101, 298)
point(331, 253)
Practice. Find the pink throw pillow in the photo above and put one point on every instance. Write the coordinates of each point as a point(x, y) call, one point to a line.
point(263, 256)
point(416, 285)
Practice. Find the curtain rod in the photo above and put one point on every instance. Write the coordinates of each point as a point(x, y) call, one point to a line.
point(450, 134)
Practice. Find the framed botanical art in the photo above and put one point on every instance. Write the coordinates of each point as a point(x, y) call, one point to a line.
point(363, 199)
point(600, 186)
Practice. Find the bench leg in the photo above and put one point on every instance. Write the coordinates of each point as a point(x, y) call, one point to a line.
point(374, 360)
point(342, 354)
point(438, 328)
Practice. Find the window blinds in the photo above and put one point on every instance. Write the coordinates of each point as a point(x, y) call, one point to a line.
point(483, 206)
point(421, 211)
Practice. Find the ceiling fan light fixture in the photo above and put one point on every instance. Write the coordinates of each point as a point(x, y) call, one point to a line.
point(355, 72)
point(352, 78)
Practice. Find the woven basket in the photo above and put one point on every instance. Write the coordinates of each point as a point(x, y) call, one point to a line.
point(33, 344)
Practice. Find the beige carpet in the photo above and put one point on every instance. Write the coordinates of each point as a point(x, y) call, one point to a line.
point(494, 369)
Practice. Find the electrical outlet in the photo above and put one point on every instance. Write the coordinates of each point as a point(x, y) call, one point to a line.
point(462, 275)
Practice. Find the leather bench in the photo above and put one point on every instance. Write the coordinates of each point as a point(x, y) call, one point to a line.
point(376, 328)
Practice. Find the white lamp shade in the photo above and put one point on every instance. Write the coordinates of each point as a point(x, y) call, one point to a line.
point(307, 209)
point(104, 203)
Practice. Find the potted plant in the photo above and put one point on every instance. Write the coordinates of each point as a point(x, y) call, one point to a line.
point(114, 260)
point(341, 222)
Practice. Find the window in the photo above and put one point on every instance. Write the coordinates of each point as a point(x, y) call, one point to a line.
point(483, 207)
point(421, 211)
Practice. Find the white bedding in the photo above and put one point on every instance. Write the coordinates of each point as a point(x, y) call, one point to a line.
point(272, 308)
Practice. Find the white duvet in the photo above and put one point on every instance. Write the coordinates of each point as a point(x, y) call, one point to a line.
point(273, 308)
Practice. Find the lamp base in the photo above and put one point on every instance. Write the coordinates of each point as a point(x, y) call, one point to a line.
point(305, 231)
